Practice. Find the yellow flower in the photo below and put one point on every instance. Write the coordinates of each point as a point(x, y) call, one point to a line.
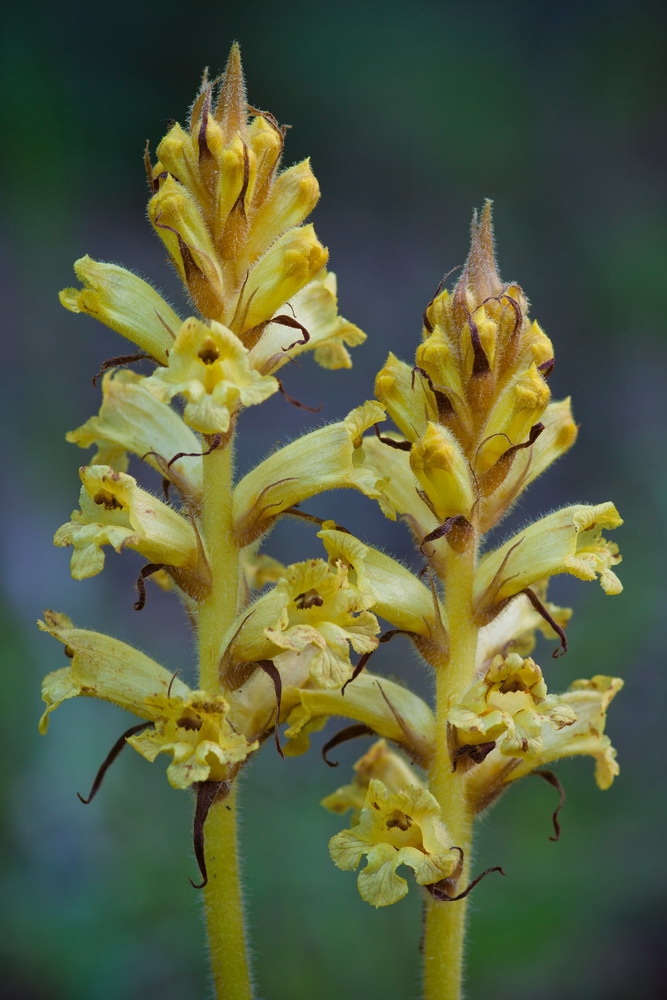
point(192, 726)
point(510, 707)
point(124, 302)
point(210, 367)
point(312, 614)
point(567, 541)
point(326, 459)
point(396, 826)
point(132, 419)
point(117, 512)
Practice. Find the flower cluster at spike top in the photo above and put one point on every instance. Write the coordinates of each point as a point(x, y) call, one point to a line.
point(475, 425)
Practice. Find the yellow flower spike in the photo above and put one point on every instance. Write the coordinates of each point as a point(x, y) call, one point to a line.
point(313, 611)
point(389, 709)
point(406, 397)
point(210, 367)
point(290, 263)
point(398, 596)
point(326, 459)
point(117, 512)
point(132, 419)
point(567, 541)
point(126, 303)
point(402, 827)
point(197, 732)
point(442, 469)
point(509, 707)
point(105, 668)
point(191, 725)
point(315, 308)
point(379, 762)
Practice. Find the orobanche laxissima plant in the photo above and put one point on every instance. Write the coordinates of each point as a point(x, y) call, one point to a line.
point(474, 427)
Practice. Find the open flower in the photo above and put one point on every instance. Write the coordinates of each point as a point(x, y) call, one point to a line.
point(210, 367)
point(395, 826)
point(115, 511)
point(312, 613)
point(192, 726)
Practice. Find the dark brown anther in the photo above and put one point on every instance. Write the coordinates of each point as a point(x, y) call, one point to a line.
point(295, 402)
point(547, 367)
point(121, 359)
point(146, 571)
point(208, 792)
point(399, 445)
point(349, 733)
point(457, 530)
point(294, 324)
point(442, 400)
point(480, 364)
point(272, 672)
point(109, 759)
point(215, 442)
point(441, 891)
point(209, 353)
point(472, 753)
point(551, 778)
point(309, 599)
point(541, 610)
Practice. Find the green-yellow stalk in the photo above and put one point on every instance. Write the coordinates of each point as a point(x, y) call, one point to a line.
point(445, 922)
point(223, 896)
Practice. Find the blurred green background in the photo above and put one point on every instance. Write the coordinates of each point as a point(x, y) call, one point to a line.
point(413, 114)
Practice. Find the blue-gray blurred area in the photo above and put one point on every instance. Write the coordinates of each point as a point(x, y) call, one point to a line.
point(412, 114)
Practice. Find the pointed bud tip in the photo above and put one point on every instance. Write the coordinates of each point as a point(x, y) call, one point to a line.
point(480, 273)
point(231, 107)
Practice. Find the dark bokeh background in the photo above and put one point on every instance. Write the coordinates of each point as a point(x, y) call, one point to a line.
point(413, 113)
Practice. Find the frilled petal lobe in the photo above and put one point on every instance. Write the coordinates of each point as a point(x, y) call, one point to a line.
point(132, 419)
point(210, 367)
point(394, 829)
point(567, 541)
point(315, 308)
point(325, 459)
point(195, 730)
point(102, 667)
point(117, 512)
point(126, 303)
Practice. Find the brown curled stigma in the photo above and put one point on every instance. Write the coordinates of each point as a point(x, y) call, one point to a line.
point(363, 660)
point(121, 359)
point(558, 629)
point(119, 745)
point(442, 400)
point(272, 672)
point(442, 890)
point(295, 402)
point(208, 792)
point(215, 443)
point(146, 571)
point(294, 324)
point(400, 445)
point(349, 733)
point(551, 779)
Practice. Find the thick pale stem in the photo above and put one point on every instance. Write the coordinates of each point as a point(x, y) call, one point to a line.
point(224, 902)
point(445, 922)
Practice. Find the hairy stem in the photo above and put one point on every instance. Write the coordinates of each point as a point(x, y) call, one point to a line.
point(223, 896)
point(445, 922)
